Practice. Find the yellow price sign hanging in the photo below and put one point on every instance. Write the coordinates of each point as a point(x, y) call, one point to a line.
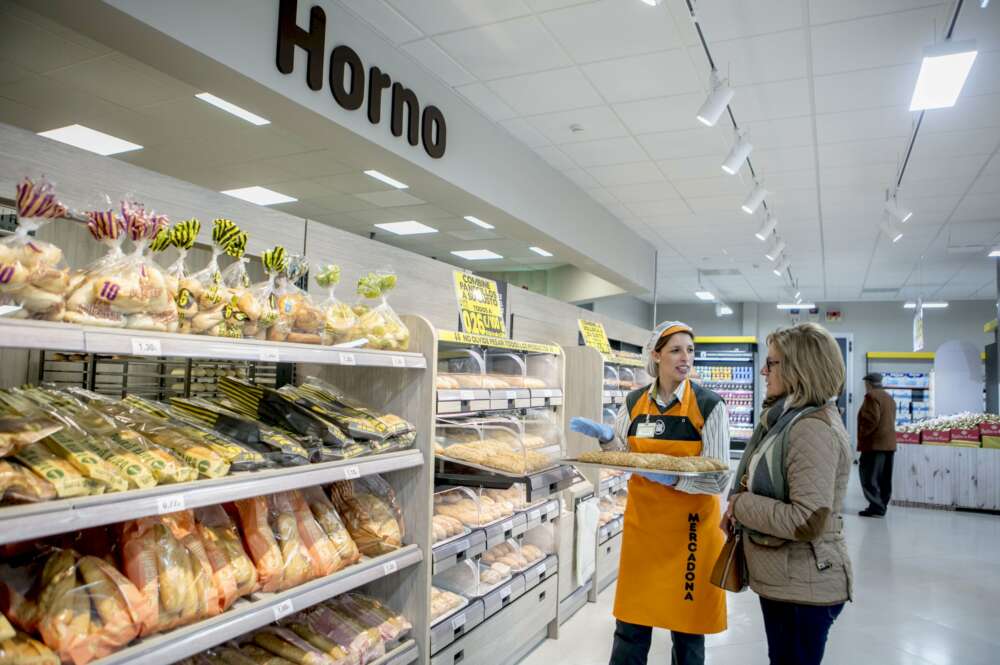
point(594, 335)
point(479, 307)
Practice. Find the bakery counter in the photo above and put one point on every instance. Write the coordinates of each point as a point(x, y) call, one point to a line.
point(456, 624)
point(508, 635)
point(403, 654)
point(260, 610)
point(477, 402)
point(608, 555)
point(610, 530)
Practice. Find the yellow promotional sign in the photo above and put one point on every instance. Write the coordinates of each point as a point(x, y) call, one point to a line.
point(479, 305)
point(454, 337)
point(594, 335)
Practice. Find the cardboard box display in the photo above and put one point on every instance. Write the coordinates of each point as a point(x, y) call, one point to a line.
point(965, 437)
point(931, 437)
point(990, 434)
point(908, 437)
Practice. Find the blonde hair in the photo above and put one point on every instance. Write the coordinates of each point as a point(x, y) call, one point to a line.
point(812, 367)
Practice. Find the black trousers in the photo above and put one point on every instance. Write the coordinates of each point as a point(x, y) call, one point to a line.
point(631, 646)
point(796, 634)
point(875, 469)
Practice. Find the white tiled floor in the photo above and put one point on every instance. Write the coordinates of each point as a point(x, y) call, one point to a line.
point(927, 592)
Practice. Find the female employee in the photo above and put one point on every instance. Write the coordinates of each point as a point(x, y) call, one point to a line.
point(670, 542)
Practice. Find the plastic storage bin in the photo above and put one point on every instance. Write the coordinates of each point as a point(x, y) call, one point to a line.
point(498, 444)
point(469, 508)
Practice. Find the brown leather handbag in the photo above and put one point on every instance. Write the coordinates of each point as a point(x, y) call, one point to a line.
point(730, 571)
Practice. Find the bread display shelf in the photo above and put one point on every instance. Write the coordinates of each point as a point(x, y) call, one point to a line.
point(52, 517)
point(614, 484)
point(633, 469)
point(455, 624)
point(88, 339)
point(407, 652)
point(610, 530)
point(261, 610)
point(538, 485)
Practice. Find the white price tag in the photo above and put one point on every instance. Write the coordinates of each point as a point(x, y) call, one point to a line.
point(466, 395)
point(398, 361)
point(145, 347)
point(457, 621)
point(534, 515)
point(352, 472)
point(511, 394)
point(389, 567)
point(508, 525)
point(348, 359)
point(463, 544)
point(505, 592)
point(169, 504)
point(541, 570)
point(283, 609)
point(269, 356)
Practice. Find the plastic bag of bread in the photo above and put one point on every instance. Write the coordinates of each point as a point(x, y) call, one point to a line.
point(89, 300)
point(18, 429)
point(271, 535)
point(81, 606)
point(339, 319)
point(372, 613)
point(262, 312)
point(67, 481)
point(6, 630)
point(299, 319)
point(324, 555)
point(340, 654)
point(235, 574)
point(165, 559)
point(182, 237)
point(377, 321)
point(19, 484)
point(360, 644)
point(21, 649)
point(216, 314)
point(290, 646)
point(370, 512)
point(331, 523)
point(33, 277)
point(260, 656)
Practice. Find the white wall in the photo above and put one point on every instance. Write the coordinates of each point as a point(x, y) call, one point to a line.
point(626, 308)
point(702, 318)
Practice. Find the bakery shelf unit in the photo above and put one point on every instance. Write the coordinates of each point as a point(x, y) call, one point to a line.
point(396, 382)
point(728, 365)
point(497, 513)
point(909, 378)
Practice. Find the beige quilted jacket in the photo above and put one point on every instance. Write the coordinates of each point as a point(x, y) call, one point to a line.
point(811, 566)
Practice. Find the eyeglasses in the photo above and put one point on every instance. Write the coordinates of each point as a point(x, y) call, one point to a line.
point(768, 364)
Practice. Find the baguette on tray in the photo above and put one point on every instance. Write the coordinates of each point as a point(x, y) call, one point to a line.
point(654, 461)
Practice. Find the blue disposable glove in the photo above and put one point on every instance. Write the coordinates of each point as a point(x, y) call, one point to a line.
point(662, 478)
point(588, 427)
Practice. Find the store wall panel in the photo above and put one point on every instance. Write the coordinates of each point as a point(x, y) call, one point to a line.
point(537, 316)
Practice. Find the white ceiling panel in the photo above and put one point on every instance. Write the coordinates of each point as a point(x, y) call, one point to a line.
point(877, 41)
point(602, 196)
point(784, 159)
point(546, 5)
point(604, 152)
point(729, 19)
point(968, 113)
point(642, 193)
point(618, 210)
point(595, 31)
point(722, 185)
point(487, 101)
point(654, 208)
point(689, 168)
point(660, 115)
point(823, 11)
point(770, 101)
point(597, 122)
point(762, 59)
point(978, 206)
point(650, 75)
point(923, 168)
point(783, 133)
point(384, 18)
point(801, 179)
point(436, 16)
point(861, 125)
point(686, 143)
point(984, 79)
point(626, 174)
point(519, 46)
point(888, 151)
point(865, 89)
point(390, 199)
point(525, 132)
point(582, 178)
point(546, 92)
point(430, 55)
point(555, 157)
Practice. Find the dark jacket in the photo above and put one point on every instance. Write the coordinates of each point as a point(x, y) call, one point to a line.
point(877, 423)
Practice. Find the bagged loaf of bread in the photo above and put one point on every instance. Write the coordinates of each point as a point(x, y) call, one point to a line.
point(166, 560)
point(19, 428)
point(181, 287)
point(262, 310)
point(290, 646)
point(235, 574)
point(18, 484)
point(369, 509)
point(372, 613)
point(271, 536)
point(21, 649)
point(81, 606)
point(339, 320)
point(377, 321)
point(331, 523)
point(299, 319)
point(217, 316)
point(33, 277)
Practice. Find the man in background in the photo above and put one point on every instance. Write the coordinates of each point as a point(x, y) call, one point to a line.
point(877, 445)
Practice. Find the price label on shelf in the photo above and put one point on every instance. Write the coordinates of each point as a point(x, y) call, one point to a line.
point(466, 395)
point(169, 504)
point(508, 525)
point(348, 359)
point(398, 361)
point(458, 621)
point(145, 347)
point(283, 609)
point(541, 570)
point(389, 567)
point(505, 593)
point(534, 515)
point(352, 472)
point(463, 544)
point(269, 356)
point(511, 394)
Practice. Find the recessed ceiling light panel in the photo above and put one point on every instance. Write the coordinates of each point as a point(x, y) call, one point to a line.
point(942, 74)
point(478, 222)
point(704, 295)
point(476, 254)
point(408, 228)
point(229, 107)
point(91, 139)
point(262, 196)
point(392, 182)
point(540, 251)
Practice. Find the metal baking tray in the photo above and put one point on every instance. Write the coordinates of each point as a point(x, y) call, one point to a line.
point(635, 469)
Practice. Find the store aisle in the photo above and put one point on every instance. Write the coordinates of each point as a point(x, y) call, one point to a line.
point(926, 590)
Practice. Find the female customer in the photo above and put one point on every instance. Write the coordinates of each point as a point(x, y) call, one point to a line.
point(789, 494)
point(670, 542)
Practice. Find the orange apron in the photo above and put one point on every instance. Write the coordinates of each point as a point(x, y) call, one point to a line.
point(671, 540)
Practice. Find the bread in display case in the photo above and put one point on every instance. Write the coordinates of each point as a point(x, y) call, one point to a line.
point(445, 603)
point(469, 508)
point(473, 579)
point(514, 445)
point(515, 556)
point(514, 498)
point(461, 369)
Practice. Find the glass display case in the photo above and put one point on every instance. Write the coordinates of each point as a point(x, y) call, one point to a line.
point(469, 507)
point(509, 444)
point(515, 556)
point(473, 579)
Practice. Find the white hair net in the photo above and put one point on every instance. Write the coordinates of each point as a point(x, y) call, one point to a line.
point(665, 328)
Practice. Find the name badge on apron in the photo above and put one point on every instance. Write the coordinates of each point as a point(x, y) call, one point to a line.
point(645, 430)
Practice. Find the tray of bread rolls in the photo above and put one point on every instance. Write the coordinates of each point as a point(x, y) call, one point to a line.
point(650, 463)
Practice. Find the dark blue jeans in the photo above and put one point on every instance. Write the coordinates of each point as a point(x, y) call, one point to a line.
point(796, 634)
point(631, 646)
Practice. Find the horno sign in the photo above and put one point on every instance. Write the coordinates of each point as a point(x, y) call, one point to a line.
point(351, 85)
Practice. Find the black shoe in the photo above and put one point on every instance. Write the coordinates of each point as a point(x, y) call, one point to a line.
point(869, 513)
